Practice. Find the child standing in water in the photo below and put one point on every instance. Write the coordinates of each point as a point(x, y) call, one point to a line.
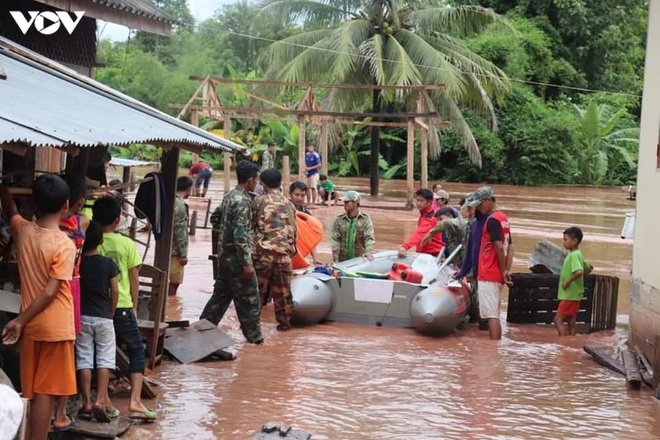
point(571, 282)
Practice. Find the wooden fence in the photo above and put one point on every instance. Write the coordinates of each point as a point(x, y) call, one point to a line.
point(533, 300)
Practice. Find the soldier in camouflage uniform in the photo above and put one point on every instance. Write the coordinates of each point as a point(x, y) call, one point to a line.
point(454, 230)
point(352, 231)
point(274, 224)
point(236, 279)
point(180, 234)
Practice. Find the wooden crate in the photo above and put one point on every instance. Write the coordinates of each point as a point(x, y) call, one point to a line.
point(533, 300)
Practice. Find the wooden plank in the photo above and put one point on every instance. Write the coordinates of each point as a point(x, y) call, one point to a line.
point(321, 85)
point(604, 359)
point(194, 121)
point(633, 377)
point(644, 360)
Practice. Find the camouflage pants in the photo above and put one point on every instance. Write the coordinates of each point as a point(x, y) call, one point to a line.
point(274, 275)
point(230, 285)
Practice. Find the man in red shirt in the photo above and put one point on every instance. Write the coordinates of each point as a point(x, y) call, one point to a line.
point(495, 258)
point(426, 222)
point(202, 173)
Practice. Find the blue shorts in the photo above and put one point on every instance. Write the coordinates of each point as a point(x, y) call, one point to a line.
point(203, 178)
point(96, 335)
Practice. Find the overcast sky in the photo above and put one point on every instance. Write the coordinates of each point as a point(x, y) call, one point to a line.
point(200, 9)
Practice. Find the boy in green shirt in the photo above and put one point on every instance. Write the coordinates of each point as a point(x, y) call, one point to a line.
point(571, 282)
point(326, 190)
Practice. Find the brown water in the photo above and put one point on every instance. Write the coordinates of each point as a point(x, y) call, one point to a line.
point(354, 382)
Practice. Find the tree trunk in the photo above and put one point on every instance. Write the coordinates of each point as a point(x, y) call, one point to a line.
point(375, 146)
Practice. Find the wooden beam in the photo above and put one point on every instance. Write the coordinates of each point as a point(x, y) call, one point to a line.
point(286, 174)
point(324, 147)
point(656, 362)
point(410, 169)
point(163, 252)
point(277, 111)
point(425, 158)
point(338, 121)
point(16, 148)
point(321, 85)
point(113, 15)
point(301, 148)
point(226, 130)
point(194, 121)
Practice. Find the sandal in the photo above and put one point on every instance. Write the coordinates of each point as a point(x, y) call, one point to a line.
point(84, 414)
point(100, 415)
point(147, 416)
point(62, 428)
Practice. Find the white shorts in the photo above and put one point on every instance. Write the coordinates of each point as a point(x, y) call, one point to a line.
point(312, 181)
point(490, 294)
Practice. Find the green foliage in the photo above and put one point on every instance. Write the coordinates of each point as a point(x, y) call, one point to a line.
point(545, 134)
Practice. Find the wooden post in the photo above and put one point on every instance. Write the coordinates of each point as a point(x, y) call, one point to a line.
point(410, 171)
point(656, 363)
point(194, 121)
point(169, 168)
point(301, 146)
point(126, 176)
point(226, 128)
point(425, 157)
point(286, 174)
point(324, 147)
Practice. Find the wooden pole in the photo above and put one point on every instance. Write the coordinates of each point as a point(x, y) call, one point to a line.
point(286, 174)
point(410, 172)
point(194, 121)
point(324, 147)
point(170, 169)
point(226, 128)
point(301, 147)
point(425, 157)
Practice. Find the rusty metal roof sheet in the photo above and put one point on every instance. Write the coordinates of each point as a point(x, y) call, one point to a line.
point(45, 104)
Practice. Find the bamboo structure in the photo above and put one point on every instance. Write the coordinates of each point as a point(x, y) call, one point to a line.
point(205, 102)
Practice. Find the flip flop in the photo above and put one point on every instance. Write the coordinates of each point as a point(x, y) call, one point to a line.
point(100, 415)
point(84, 415)
point(147, 416)
point(62, 428)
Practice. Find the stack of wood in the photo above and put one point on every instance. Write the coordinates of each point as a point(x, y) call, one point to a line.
point(634, 366)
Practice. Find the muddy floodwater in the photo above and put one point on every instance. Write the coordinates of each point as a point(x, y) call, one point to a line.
point(350, 382)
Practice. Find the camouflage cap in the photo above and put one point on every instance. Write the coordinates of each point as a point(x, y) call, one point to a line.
point(480, 195)
point(351, 196)
point(442, 194)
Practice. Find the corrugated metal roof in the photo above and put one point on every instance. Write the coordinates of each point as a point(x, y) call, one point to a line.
point(45, 104)
point(121, 162)
point(138, 7)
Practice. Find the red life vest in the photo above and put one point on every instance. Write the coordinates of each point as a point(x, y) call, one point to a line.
point(489, 268)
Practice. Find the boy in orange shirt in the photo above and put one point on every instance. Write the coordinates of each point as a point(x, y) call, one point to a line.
point(45, 323)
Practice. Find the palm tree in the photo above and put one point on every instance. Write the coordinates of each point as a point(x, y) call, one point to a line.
point(601, 143)
point(391, 42)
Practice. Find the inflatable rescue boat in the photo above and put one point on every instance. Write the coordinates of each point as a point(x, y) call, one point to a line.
point(416, 291)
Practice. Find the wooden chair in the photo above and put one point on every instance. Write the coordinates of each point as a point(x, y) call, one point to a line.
point(153, 284)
